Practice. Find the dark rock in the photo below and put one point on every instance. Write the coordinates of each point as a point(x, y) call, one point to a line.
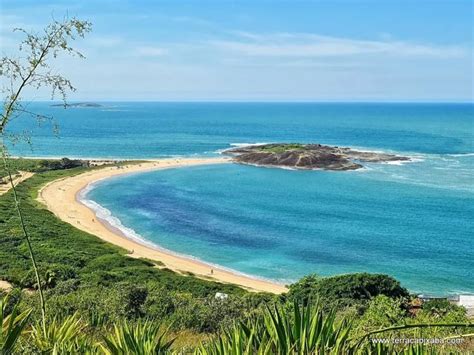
point(308, 156)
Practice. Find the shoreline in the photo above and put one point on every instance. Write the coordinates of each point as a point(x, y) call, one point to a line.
point(61, 197)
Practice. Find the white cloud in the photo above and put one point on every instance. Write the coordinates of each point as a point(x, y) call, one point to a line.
point(10, 22)
point(151, 51)
point(104, 41)
point(312, 45)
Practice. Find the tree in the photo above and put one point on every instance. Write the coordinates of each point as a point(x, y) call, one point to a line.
point(346, 290)
point(31, 68)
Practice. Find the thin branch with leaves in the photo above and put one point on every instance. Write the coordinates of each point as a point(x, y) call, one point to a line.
point(32, 69)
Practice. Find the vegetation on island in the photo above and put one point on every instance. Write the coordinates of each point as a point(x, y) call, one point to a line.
point(75, 294)
point(280, 148)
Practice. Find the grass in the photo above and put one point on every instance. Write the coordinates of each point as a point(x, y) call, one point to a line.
point(153, 262)
point(21, 164)
point(280, 148)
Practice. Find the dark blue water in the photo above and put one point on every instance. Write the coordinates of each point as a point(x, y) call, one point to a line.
point(413, 221)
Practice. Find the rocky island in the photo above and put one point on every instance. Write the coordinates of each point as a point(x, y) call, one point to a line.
point(308, 156)
point(78, 104)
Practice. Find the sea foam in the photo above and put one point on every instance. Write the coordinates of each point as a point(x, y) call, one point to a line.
point(106, 215)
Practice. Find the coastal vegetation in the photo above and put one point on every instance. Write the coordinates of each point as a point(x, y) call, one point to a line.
point(39, 165)
point(279, 148)
point(105, 300)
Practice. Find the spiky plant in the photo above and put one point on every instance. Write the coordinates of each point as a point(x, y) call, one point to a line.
point(308, 330)
point(11, 326)
point(305, 330)
point(62, 336)
point(141, 338)
point(241, 339)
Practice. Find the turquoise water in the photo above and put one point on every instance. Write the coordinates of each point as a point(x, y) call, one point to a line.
point(138, 130)
point(413, 221)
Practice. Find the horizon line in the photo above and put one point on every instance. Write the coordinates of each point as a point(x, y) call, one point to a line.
point(259, 101)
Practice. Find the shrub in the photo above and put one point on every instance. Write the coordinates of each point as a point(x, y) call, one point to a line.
point(382, 311)
point(346, 290)
point(64, 163)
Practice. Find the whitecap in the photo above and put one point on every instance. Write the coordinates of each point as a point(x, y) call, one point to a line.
point(239, 145)
point(396, 162)
point(461, 155)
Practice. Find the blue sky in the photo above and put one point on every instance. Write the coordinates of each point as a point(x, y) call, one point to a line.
point(262, 50)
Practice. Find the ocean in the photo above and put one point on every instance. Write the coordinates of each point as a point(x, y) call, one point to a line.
point(413, 220)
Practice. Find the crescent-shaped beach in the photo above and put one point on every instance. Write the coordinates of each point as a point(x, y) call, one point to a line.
point(61, 198)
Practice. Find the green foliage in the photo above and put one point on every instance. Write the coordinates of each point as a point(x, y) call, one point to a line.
point(61, 164)
point(391, 318)
point(40, 165)
point(53, 274)
point(308, 331)
point(304, 330)
point(12, 326)
point(304, 289)
point(206, 314)
point(141, 338)
point(61, 336)
point(441, 309)
point(280, 148)
point(312, 330)
point(381, 312)
point(239, 340)
point(346, 290)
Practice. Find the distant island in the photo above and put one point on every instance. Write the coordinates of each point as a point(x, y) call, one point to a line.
point(78, 104)
point(308, 156)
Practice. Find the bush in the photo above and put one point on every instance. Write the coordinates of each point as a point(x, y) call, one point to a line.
point(346, 290)
point(62, 164)
point(199, 314)
point(439, 308)
point(39, 165)
point(381, 312)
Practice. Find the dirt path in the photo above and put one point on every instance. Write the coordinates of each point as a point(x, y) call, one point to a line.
point(6, 186)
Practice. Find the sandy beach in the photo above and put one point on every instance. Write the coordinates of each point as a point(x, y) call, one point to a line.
point(61, 198)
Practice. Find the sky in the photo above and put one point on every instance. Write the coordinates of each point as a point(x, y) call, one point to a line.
point(182, 50)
